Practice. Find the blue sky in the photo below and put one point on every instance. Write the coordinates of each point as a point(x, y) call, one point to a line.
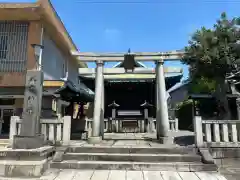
point(142, 25)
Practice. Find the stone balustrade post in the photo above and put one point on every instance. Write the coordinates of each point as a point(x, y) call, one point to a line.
point(13, 128)
point(59, 108)
point(198, 131)
point(66, 130)
point(176, 124)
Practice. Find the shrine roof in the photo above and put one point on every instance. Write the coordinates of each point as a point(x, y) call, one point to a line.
point(75, 93)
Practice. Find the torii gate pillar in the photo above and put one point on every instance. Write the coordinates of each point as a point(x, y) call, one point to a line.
point(162, 121)
point(98, 112)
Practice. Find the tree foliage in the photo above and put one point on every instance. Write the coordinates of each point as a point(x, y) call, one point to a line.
point(211, 54)
point(211, 51)
point(202, 85)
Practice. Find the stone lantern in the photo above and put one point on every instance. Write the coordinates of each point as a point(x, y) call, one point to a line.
point(147, 122)
point(113, 124)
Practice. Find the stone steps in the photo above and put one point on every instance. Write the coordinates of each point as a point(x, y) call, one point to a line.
point(146, 166)
point(132, 157)
point(131, 150)
point(25, 162)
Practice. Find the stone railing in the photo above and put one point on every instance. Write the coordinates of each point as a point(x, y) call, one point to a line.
point(173, 124)
point(216, 133)
point(88, 125)
point(55, 131)
point(116, 125)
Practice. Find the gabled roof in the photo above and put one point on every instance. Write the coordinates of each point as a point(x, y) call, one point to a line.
point(71, 92)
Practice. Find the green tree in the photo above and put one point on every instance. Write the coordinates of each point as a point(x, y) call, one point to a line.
point(202, 85)
point(211, 53)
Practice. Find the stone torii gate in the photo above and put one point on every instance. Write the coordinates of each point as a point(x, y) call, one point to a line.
point(128, 61)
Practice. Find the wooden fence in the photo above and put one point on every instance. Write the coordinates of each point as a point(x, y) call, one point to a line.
point(216, 133)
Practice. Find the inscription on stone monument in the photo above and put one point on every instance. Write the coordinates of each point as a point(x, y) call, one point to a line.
point(32, 103)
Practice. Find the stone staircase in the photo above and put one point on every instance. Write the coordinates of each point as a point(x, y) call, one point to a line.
point(174, 158)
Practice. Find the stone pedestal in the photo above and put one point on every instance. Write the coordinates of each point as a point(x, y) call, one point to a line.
point(166, 140)
point(28, 142)
point(94, 140)
point(25, 163)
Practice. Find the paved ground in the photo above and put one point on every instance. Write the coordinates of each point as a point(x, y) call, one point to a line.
point(230, 168)
point(180, 138)
point(124, 175)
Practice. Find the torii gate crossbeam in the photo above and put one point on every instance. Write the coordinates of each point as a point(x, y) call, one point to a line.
point(138, 56)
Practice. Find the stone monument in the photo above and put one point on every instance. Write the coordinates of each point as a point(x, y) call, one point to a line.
point(30, 137)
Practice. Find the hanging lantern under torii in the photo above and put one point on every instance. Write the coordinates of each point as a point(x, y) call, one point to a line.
point(129, 61)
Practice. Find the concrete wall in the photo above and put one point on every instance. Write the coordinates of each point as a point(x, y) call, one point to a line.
point(55, 64)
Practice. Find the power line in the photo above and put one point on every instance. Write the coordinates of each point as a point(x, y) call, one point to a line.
point(156, 2)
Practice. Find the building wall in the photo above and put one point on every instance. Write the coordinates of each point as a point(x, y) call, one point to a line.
point(178, 96)
point(55, 64)
point(20, 54)
point(73, 72)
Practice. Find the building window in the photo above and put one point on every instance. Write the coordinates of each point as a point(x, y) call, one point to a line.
point(13, 46)
point(3, 46)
